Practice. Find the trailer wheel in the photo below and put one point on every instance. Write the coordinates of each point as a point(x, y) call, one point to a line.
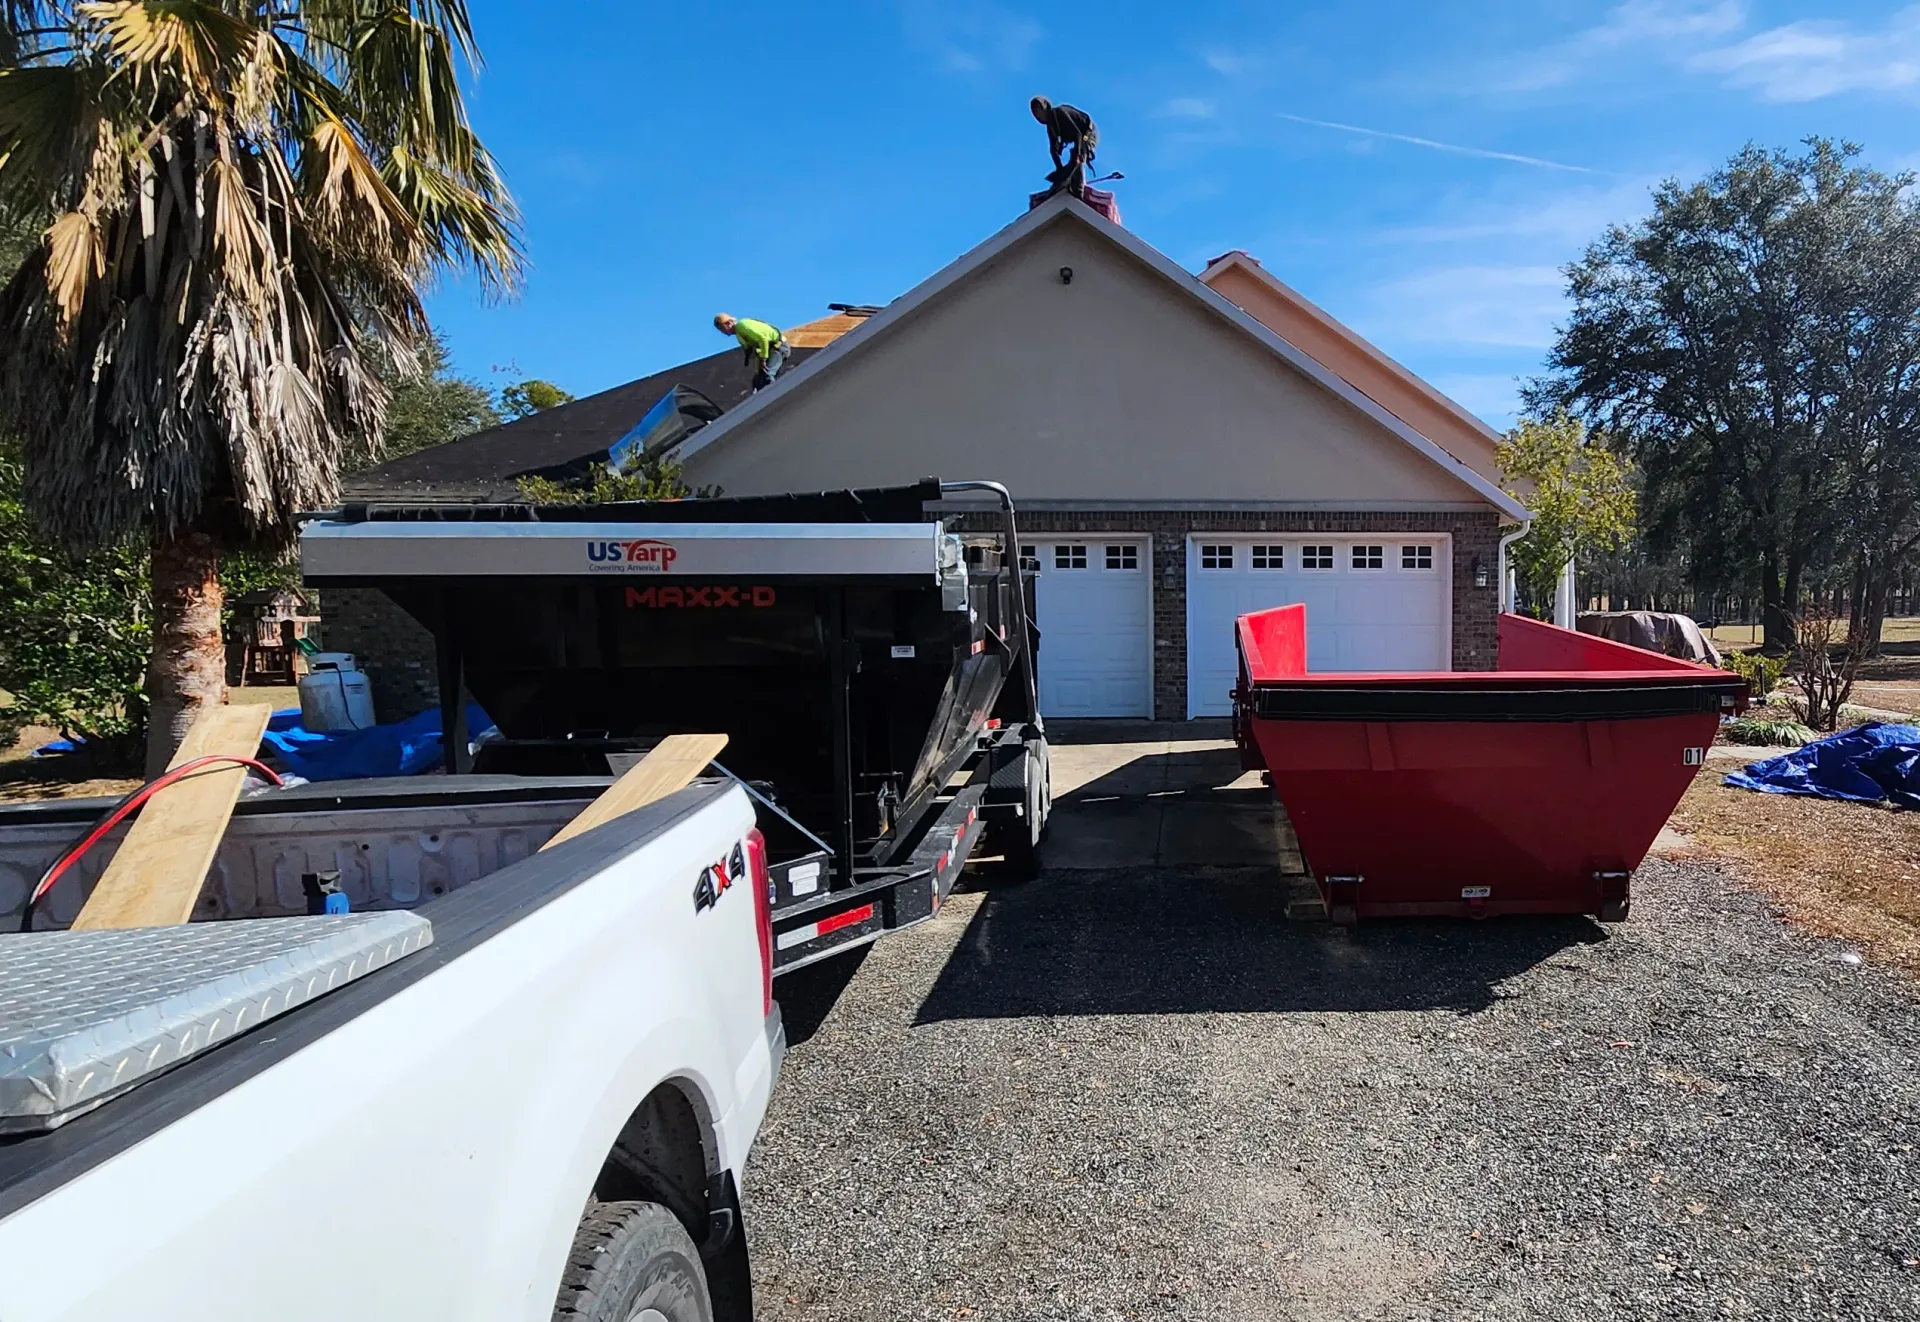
point(632, 1262)
point(1019, 841)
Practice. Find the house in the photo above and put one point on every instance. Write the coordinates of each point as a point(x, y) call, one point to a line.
point(1175, 460)
point(1181, 449)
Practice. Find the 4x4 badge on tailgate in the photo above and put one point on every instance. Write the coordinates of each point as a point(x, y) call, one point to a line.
point(718, 879)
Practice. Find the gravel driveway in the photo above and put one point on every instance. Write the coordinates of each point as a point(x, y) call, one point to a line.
point(1144, 1092)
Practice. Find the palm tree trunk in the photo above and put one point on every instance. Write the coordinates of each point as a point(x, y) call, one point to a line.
point(189, 666)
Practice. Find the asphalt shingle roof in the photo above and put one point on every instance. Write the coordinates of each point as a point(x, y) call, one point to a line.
point(483, 466)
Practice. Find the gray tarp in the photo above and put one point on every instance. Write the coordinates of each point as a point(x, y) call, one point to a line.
point(1657, 631)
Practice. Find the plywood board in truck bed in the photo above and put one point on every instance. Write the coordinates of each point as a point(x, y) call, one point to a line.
point(156, 876)
point(668, 767)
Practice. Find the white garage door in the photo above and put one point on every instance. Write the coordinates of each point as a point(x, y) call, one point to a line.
point(1094, 627)
point(1373, 603)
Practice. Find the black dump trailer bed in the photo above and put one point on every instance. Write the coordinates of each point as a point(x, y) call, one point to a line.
point(873, 672)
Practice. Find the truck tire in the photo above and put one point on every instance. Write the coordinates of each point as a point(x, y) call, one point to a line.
point(632, 1262)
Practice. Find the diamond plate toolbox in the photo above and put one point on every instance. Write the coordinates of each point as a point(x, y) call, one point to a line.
point(85, 1015)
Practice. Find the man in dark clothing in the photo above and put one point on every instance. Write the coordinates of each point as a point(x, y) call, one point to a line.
point(1069, 130)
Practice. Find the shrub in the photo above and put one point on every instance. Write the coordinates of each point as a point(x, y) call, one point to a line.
point(73, 654)
point(1824, 684)
point(641, 477)
point(1762, 673)
point(1769, 730)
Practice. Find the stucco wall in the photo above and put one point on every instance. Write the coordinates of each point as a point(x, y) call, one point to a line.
point(1392, 387)
point(1113, 387)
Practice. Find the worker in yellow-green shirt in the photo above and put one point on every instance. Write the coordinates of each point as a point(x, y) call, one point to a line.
point(761, 342)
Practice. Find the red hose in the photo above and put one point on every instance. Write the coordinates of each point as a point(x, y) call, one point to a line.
point(120, 812)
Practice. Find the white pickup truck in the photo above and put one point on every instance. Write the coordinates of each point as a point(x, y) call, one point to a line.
point(530, 1096)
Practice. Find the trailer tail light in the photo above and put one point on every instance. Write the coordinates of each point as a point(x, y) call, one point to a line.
point(762, 913)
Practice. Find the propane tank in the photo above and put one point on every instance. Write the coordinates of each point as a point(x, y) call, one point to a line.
point(335, 694)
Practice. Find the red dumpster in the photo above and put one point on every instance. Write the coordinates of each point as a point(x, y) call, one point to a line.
point(1533, 788)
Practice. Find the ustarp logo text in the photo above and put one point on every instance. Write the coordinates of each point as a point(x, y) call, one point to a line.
point(645, 555)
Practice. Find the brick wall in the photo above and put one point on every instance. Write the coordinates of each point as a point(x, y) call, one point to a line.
point(389, 644)
point(1475, 536)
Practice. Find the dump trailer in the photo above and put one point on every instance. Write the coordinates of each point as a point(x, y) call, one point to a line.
point(872, 669)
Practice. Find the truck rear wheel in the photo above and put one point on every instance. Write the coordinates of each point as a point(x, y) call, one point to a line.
point(633, 1262)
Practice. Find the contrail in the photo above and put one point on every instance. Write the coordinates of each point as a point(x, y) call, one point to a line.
point(1455, 148)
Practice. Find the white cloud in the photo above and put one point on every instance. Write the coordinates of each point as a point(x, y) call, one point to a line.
point(1816, 58)
point(1562, 222)
point(976, 37)
point(1225, 62)
point(1640, 30)
point(1640, 21)
point(1484, 306)
point(1805, 60)
point(1187, 107)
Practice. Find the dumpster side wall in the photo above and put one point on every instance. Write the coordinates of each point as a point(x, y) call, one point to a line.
point(1523, 815)
point(1532, 645)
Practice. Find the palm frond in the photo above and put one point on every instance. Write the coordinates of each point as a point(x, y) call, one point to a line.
point(246, 202)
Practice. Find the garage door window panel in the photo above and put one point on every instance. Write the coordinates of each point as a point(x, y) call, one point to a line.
point(1368, 557)
point(1316, 557)
point(1416, 559)
point(1269, 557)
point(1123, 558)
point(1216, 556)
point(1070, 555)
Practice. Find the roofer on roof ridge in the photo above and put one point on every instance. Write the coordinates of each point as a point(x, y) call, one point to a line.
point(1072, 130)
point(760, 341)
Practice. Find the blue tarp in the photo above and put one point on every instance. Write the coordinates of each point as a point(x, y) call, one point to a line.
point(1868, 764)
point(404, 748)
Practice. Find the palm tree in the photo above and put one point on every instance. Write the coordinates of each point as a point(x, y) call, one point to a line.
point(242, 202)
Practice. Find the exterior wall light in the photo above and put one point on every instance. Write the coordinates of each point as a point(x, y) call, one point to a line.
point(1481, 578)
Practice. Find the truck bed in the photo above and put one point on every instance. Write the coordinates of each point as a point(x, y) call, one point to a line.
point(396, 843)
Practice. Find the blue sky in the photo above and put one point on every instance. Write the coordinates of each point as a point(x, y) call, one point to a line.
point(1420, 170)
